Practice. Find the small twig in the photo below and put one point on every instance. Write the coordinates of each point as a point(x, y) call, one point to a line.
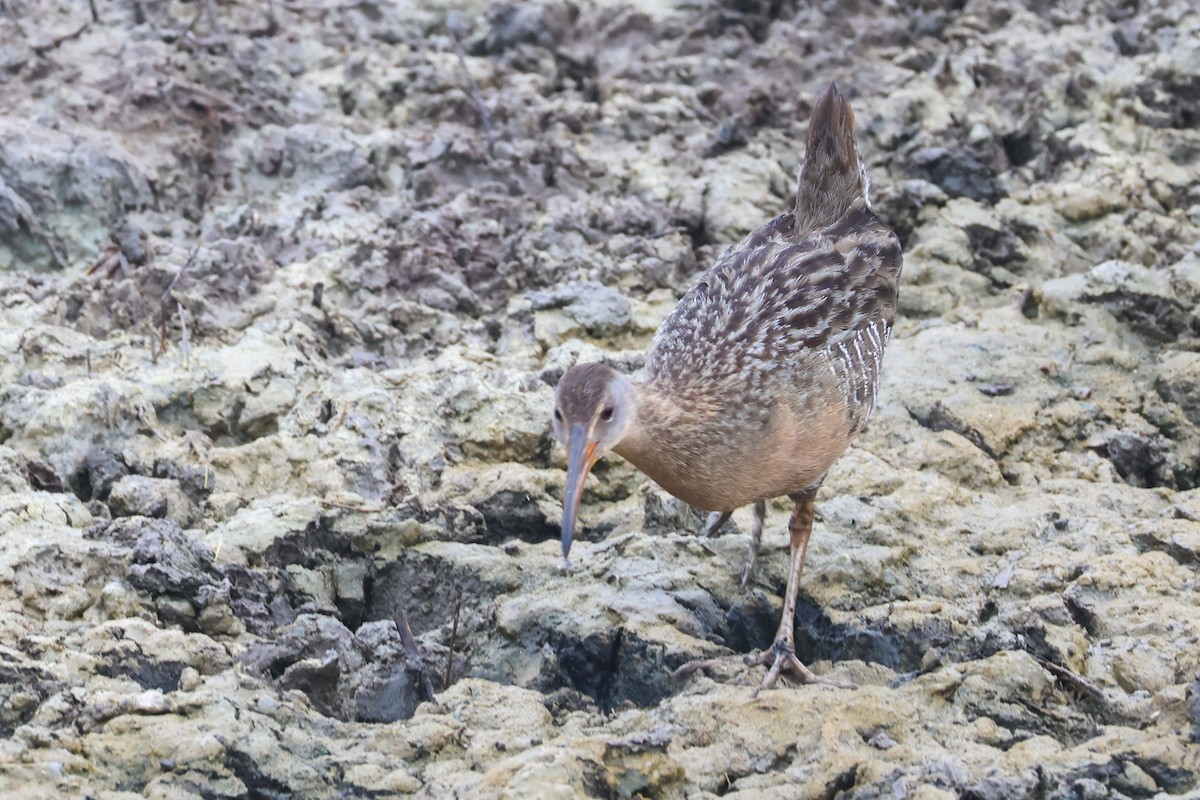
point(617, 542)
point(697, 664)
point(272, 26)
point(111, 261)
point(164, 303)
point(219, 34)
point(214, 23)
point(453, 634)
point(341, 419)
point(95, 13)
point(192, 25)
point(41, 49)
point(406, 634)
point(413, 650)
point(190, 91)
point(171, 286)
point(1088, 691)
point(353, 506)
point(297, 8)
point(455, 25)
point(183, 337)
point(1068, 676)
point(147, 326)
point(162, 334)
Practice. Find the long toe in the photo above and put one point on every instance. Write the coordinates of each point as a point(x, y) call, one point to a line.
point(782, 659)
point(699, 664)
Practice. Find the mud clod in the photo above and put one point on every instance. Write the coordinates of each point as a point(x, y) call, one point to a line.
point(1136, 456)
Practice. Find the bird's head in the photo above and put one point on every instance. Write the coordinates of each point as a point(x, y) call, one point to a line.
point(594, 407)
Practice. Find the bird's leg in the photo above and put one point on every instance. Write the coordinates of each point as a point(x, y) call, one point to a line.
point(716, 520)
point(760, 514)
point(782, 655)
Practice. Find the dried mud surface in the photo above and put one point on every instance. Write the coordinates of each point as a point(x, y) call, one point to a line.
point(284, 290)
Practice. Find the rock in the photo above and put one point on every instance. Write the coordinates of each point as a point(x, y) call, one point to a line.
point(388, 697)
point(1179, 382)
point(736, 201)
point(363, 676)
point(956, 172)
point(1136, 456)
point(1194, 711)
point(175, 570)
point(1148, 301)
point(663, 514)
point(956, 457)
point(498, 422)
point(138, 495)
point(350, 587)
point(987, 244)
point(1141, 669)
point(71, 422)
point(48, 171)
point(102, 468)
point(597, 309)
point(15, 52)
point(249, 533)
point(14, 476)
point(26, 686)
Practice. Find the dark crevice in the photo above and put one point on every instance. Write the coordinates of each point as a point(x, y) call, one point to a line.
point(988, 611)
point(1019, 147)
point(1083, 616)
point(844, 781)
point(903, 650)
point(511, 515)
point(614, 664)
point(748, 625)
point(259, 786)
point(1158, 319)
point(161, 675)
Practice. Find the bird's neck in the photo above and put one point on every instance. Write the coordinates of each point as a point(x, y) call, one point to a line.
point(656, 442)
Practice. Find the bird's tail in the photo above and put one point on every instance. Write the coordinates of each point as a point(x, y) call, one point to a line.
point(832, 177)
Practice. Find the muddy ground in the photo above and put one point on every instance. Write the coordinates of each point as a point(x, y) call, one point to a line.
point(286, 287)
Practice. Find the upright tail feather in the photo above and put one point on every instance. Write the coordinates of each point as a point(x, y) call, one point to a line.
point(832, 177)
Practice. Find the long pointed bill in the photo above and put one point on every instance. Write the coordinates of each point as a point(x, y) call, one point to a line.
point(581, 455)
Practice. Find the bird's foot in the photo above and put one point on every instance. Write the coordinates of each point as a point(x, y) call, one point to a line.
point(697, 664)
point(726, 665)
point(782, 658)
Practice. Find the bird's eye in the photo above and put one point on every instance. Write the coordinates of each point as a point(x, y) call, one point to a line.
point(557, 415)
point(607, 414)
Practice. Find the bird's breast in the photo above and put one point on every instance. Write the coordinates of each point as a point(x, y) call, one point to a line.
point(743, 456)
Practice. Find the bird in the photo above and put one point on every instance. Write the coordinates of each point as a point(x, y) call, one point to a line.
point(764, 372)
